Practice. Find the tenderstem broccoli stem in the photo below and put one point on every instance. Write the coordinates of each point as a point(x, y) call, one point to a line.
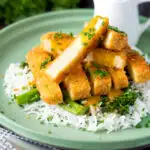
point(74, 107)
point(28, 97)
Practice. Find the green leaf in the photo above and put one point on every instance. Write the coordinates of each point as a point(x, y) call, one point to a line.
point(45, 62)
point(100, 73)
point(2, 2)
point(117, 30)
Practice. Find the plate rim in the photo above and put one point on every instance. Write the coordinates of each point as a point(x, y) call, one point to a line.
point(7, 122)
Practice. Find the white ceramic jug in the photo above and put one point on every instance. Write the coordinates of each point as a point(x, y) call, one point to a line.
point(124, 15)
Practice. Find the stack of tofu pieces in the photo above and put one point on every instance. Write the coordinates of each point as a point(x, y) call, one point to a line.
point(89, 65)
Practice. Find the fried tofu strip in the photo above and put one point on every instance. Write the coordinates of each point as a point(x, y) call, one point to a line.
point(109, 58)
point(55, 42)
point(114, 94)
point(138, 69)
point(50, 91)
point(100, 80)
point(77, 84)
point(78, 49)
point(115, 40)
point(119, 78)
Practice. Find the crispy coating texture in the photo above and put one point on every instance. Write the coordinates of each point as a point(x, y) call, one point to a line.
point(92, 100)
point(109, 58)
point(100, 85)
point(115, 41)
point(114, 94)
point(138, 69)
point(77, 84)
point(78, 49)
point(50, 91)
point(77, 76)
point(119, 78)
point(55, 42)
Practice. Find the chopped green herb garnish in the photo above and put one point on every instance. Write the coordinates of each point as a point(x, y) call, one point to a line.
point(1, 111)
point(100, 121)
point(84, 44)
point(49, 118)
point(138, 126)
point(52, 49)
point(90, 33)
point(82, 129)
point(92, 30)
point(103, 23)
point(22, 106)
point(45, 62)
point(33, 86)
point(100, 73)
point(71, 34)
point(55, 125)
point(24, 87)
point(23, 64)
point(146, 125)
point(145, 122)
point(13, 97)
point(58, 35)
point(9, 103)
point(49, 132)
point(117, 30)
point(121, 104)
point(42, 122)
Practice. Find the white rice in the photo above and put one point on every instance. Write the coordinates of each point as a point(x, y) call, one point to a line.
point(16, 77)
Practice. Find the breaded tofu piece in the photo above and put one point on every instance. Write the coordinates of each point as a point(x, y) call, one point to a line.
point(119, 78)
point(100, 80)
point(35, 58)
point(109, 58)
point(78, 49)
point(55, 42)
point(116, 41)
point(138, 69)
point(77, 84)
point(77, 76)
point(114, 94)
point(92, 100)
point(50, 91)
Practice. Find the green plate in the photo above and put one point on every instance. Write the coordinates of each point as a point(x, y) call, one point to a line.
point(15, 41)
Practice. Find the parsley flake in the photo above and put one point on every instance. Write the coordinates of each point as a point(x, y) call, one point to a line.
point(117, 30)
point(52, 49)
point(121, 104)
point(71, 34)
point(23, 64)
point(84, 44)
point(100, 73)
point(58, 35)
point(103, 23)
point(45, 62)
point(49, 132)
point(49, 118)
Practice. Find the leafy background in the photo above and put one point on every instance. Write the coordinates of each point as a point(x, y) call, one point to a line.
point(13, 10)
